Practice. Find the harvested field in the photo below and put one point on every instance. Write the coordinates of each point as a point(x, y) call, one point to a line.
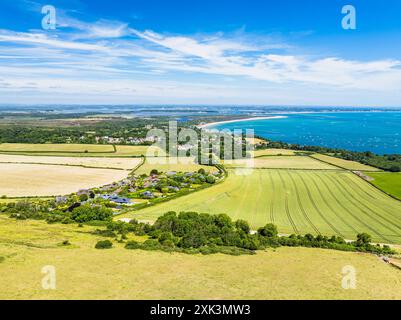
point(118, 163)
point(28, 180)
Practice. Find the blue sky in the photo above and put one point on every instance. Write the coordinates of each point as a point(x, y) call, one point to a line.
point(201, 52)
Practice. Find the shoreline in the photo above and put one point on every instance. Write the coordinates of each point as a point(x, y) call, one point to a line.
point(211, 124)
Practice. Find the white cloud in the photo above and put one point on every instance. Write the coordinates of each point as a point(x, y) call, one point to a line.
point(78, 54)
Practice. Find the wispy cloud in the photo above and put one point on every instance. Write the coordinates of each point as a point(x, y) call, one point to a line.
point(110, 57)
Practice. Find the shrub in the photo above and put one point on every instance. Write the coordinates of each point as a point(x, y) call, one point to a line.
point(132, 245)
point(66, 243)
point(243, 226)
point(210, 179)
point(83, 197)
point(269, 230)
point(87, 213)
point(105, 244)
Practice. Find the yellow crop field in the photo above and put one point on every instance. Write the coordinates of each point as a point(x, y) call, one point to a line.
point(24, 147)
point(273, 152)
point(86, 273)
point(281, 162)
point(345, 164)
point(80, 150)
point(118, 163)
point(19, 180)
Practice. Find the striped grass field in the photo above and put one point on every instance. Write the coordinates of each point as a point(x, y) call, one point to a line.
point(298, 201)
point(345, 164)
point(281, 162)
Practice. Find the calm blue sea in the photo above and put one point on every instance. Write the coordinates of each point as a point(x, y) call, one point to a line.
point(379, 132)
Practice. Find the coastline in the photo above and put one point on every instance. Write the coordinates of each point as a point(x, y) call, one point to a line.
point(212, 124)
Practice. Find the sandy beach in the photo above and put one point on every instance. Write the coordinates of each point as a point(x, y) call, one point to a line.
point(212, 124)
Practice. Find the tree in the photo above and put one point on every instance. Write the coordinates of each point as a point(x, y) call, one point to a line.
point(363, 239)
point(87, 213)
point(269, 230)
point(242, 225)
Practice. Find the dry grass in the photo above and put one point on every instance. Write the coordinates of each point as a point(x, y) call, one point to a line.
point(26, 147)
point(86, 273)
point(79, 150)
point(273, 152)
point(29, 180)
point(119, 163)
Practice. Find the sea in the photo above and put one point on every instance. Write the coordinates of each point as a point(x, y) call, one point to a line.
point(357, 129)
point(378, 132)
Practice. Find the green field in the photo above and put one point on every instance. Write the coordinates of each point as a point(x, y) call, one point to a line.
point(345, 164)
point(331, 202)
point(281, 162)
point(388, 182)
point(163, 164)
point(77, 150)
point(86, 273)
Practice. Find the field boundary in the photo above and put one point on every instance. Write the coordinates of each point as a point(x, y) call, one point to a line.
point(64, 165)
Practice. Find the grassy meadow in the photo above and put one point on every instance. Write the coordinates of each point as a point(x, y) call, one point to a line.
point(331, 202)
point(163, 164)
point(345, 164)
point(281, 162)
point(86, 273)
point(388, 182)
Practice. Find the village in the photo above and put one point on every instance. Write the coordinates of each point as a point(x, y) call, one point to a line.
point(139, 191)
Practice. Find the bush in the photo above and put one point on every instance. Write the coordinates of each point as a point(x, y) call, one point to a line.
point(269, 230)
point(210, 179)
point(83, 197)
point(132, 245)
point(105, 244)
point(87, 213)
point(243, 226)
